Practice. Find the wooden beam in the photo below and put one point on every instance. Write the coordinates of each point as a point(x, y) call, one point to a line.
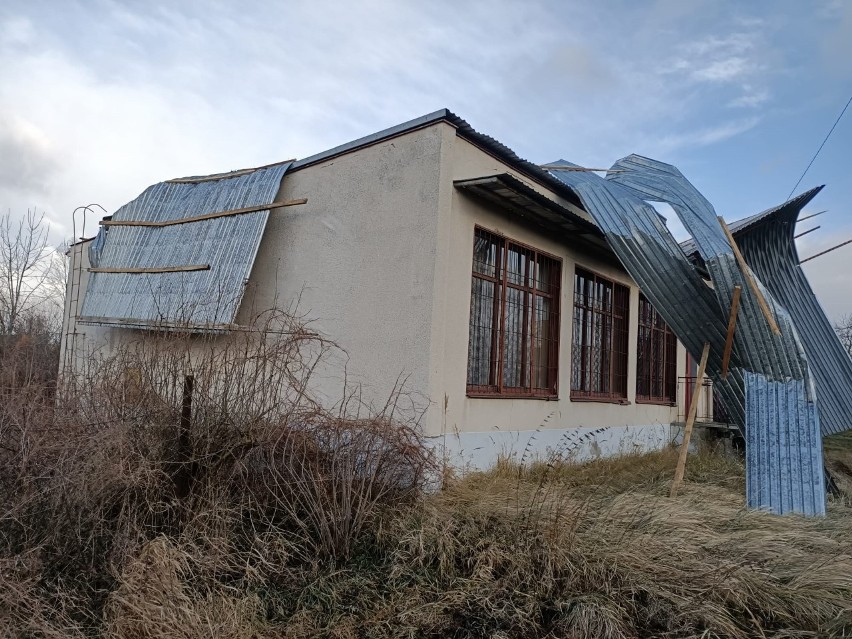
point(761, 301)
point(732, 324)
point(690, 422)
point(206, 216)
point(153, 269)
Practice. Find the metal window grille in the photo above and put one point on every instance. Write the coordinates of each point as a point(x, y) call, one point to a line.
point(514, 319)
point(656, 364)
point(599, 349)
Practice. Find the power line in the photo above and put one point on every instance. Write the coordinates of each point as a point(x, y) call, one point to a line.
point(828, 135)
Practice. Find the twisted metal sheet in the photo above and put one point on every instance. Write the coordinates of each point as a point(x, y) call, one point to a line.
point(770, 250)
point(769, 392)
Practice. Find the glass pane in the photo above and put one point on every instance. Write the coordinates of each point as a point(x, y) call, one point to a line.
point(547, 275)
point(517, 265)
point(543, 343)
point(481, 353)
point(515, 339)
point(486, 254)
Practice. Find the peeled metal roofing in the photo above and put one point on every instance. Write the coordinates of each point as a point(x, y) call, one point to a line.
point(770, 250)
point(769, 391)
point(795, 204)
point(196, 299)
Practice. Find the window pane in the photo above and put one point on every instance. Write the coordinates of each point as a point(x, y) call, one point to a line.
point(599, 354)
point(515, 338)
point(514, 318)
point(517, 265)
point(486, 254)
point(481, 355)
point(620, 312)
point(655, 365)
point(547, 275)
point(543, 343)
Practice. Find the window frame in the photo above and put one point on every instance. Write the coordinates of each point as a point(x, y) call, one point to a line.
point(613, 397)
point(669, 351)
point(530, 291)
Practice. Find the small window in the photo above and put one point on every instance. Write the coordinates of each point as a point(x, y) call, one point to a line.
point(514, 319)
point(656, 364)
point(599, 349)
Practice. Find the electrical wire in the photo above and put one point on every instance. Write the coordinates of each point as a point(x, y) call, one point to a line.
point(828, 135)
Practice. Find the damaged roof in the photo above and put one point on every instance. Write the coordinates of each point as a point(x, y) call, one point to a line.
point(179, 255)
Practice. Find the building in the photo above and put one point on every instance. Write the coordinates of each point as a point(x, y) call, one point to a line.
point(428, 252)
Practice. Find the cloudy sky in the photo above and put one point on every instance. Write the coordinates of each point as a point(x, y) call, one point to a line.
point(99, 99)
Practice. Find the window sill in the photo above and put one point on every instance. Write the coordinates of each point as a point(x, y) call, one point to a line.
point(620, 401)
point(477, 395)
point(656, 402)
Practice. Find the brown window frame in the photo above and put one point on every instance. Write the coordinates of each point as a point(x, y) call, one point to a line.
point(655, 340)
point(530, 289)
point(592, 313)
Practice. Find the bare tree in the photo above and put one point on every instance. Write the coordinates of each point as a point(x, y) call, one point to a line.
point(29, 269)
point(843, 328)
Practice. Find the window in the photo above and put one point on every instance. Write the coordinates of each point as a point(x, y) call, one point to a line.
point(599, 353)
point(514, 319)
point(656, 366)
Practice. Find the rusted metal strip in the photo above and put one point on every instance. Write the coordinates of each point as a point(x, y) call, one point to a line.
point(206, 216)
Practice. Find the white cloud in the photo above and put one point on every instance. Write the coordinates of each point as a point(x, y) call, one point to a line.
point(707, 135)
point(751, 97)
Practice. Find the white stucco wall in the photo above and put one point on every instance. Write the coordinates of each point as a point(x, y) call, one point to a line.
point(475, 430)
point(379, 260)
point(359, 258)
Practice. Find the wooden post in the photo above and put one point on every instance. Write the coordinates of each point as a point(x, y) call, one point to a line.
point(732, 324)
point(761, 301)
point(183, 474)
point(690, 421)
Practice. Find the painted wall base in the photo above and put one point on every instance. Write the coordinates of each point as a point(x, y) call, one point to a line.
point(480, 451)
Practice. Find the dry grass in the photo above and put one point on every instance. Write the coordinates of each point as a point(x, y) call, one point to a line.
point(275, 518)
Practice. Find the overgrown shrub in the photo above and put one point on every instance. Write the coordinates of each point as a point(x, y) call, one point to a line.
point(210, 442)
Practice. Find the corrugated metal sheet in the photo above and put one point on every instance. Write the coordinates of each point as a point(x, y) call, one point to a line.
point(779, 386)
point(793, 205)
point(770, 250)
point(784, 466)
point(781, 410)
point(656, 263)
point(229, 245)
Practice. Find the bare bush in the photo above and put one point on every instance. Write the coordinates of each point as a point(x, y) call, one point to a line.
point(213, 441)
point(843, 328)
point(32, 274)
